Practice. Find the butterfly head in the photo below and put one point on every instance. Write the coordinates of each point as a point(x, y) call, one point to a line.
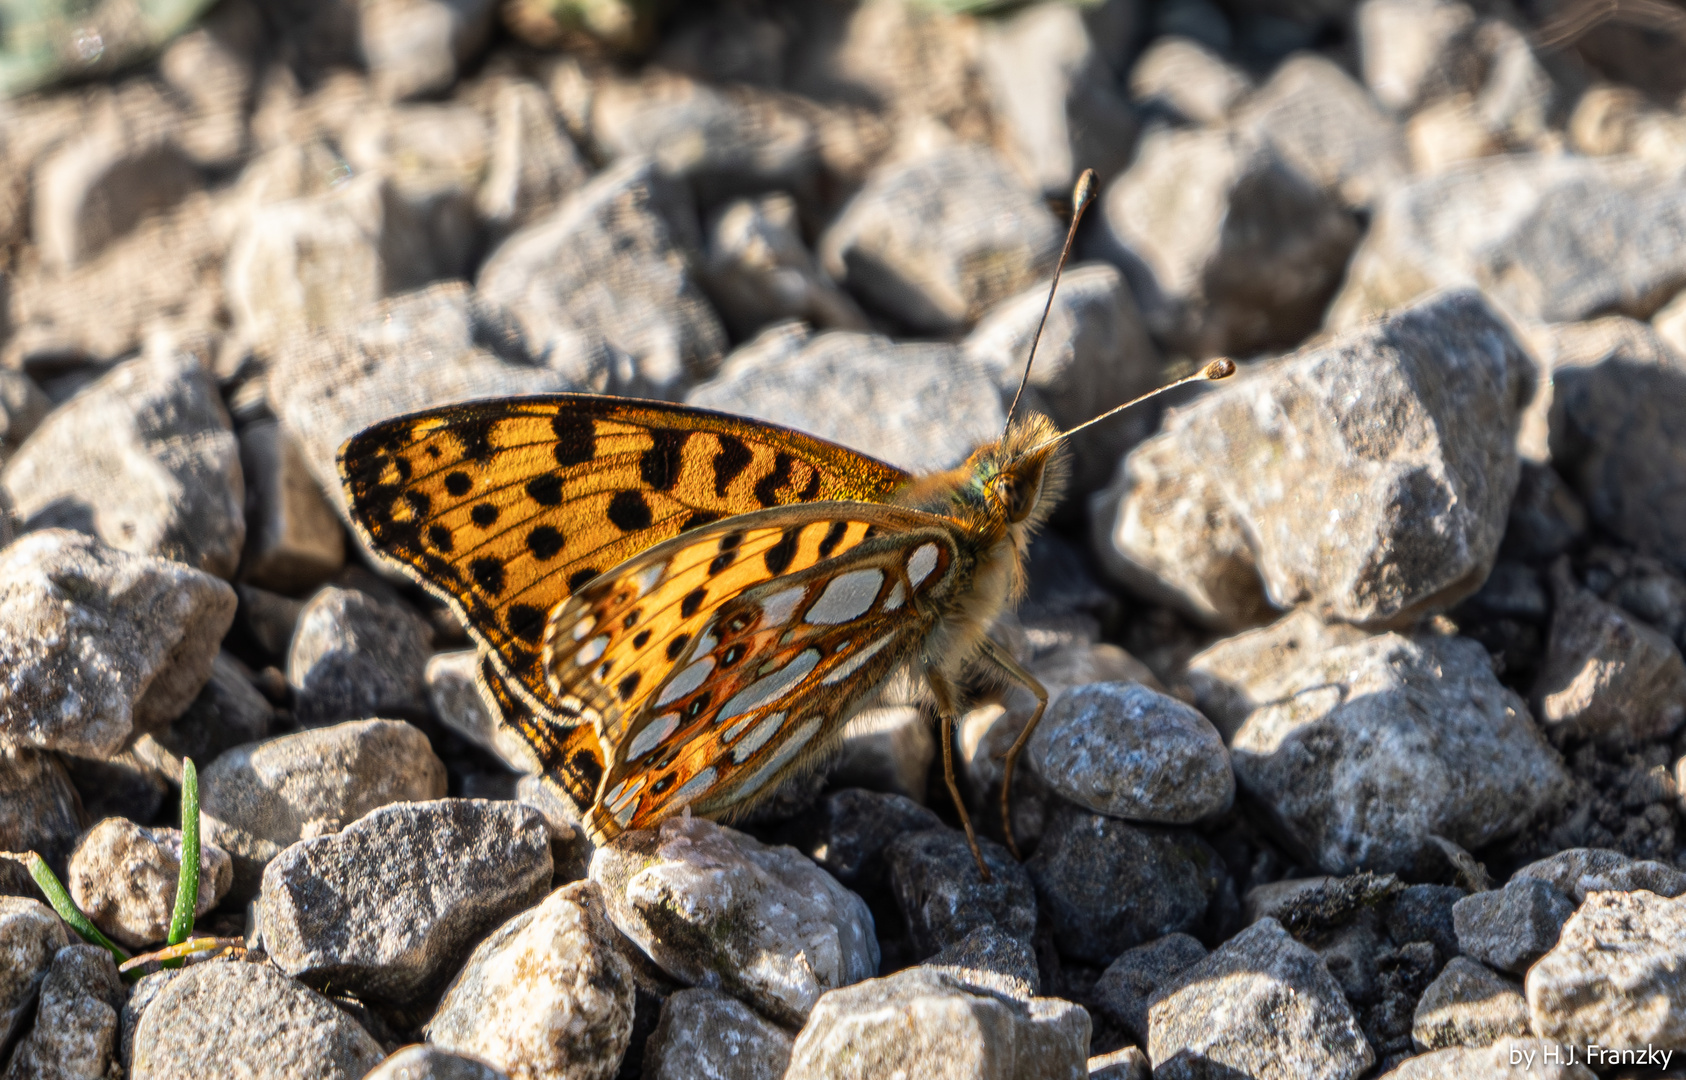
point(1020, 477)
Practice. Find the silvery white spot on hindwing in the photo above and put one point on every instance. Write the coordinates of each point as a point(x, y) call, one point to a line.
point(620, 792)
point(776, 609)
point(897, 595)
point(757, 738)
point(647, 578)
point(623, 816)
point(770, 687)
point(591, 650)
point(583, 627)
point(919, 567)
point(847, 597)
point(686, 681)
point(792, 746)
point(695, 786)
point(652, 735)
point(853, 664)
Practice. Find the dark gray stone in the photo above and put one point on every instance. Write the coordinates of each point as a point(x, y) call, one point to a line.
point(936, 884)
point(39, 808)
point(1510, 928)
point(1128, 984)
point(76, 1022)
point(1578, 872)
point(856, 825)
point(355, 656)
point(1424, 913)
point(30, 936)
point(705, 1035)
point(1469, 1004)
point(991, 960)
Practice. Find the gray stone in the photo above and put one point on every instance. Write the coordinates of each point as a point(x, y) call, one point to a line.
point(1606, 675)
point(162, 479)
point(39, 809)
point(1262, 1005)
point(1311, 907)
point(416, 47)
point(1231, 249)
point(1510, 928)
point(937, 239)
point(268, 619)
point(1505, 225)
point(1126, 987)
point(887, 749)
point(721, 911)
point(991, 960)
point(1367, 748)
point(1368, 477)
point(141, 996)
point(354, 656)
point(294, 540)
point(30, 936)
point(854, 827)
point(236, 1019)
point(724, 140)
point(609, 265)
point(570, 849)
point(759, 271)
point(1424, 913)
point(414, 352)
point(1094, 353)
point(1614, 433)
point(260, 798)
point(75, 1033)
point(547, 994)
point(1546, 519)
point(1579, 872)
point(1408, 48)
point(926, 1023)
point(422, 1062)
point(705, 1035)
point(1329, 128)
point(211, 68)
point(935, 881)
point(123, 877)
point(1130, 752)
point(1615, 975)
point(229, 711)
point(97, 642)
point(1054, 89)
point(1507, 1059)
point(1106, 885)
point(1654, 592)
point(920, 405)
point(1185, 78)
point(1468, 1004)
point(1126, 1064)
point(388, 907)
point(128, 784)
point(533, 164)
point(455, 695)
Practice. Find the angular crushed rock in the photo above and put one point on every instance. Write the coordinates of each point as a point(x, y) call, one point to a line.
point(1511, 927)
point(30, 936)
point(1615, 976)
point(354, 656)
point(420, 1062)
point(39, 807)
point(76, 1022)
point(935, 881)
point(705, 1035)
point(1468, 1004)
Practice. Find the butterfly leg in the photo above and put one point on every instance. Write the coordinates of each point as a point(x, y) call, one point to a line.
point(943, 692)
point(1010, 667)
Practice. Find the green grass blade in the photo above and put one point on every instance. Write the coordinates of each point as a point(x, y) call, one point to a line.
point(54, 890)
point(187, 883)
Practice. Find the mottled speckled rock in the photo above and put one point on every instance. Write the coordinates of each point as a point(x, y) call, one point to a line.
point(1106, 885)
point(919, 405)
point(926, 1023)
point(259, 798)
point(1128, 984)
point(354, 656)
point(717, 909)
point(1507, 1059)
point(1367, 747)
point(936, 884)
point(705, 1035)
point(938, 239)
point(1468, 1004)
point(1262, 1004)
point(609, 265)
point(123, 877)
point(30, 935)
point(1126, 1064)
point(421, 1062)
point(295, 540)
point(1127, 751)
point(237, 1019)
point(1368, 477)
point(1511, 927)
point(547, 995)
point(388, 907)
point(855, 826)
point(1577, 872)
point(163, 478)
point(96, 642)
point(75, 1033)
point(991, 960)
point(1617, 975)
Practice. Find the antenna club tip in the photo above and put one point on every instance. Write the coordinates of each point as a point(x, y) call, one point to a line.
point(1083, 193)
point(1221, 368)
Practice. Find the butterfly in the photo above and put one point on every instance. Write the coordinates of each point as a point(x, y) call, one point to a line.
point(679, 608)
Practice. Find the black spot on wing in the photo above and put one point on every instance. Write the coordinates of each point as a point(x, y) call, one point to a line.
point(641, 639)
point(628, 686)
point(693, 600)
point(576, 439)
point(440, 537)
point(629, 511)
point(484, 515)
point(812, 488)
point(767, 488)
point(833, 537)
point(420, 504)
point(488, 574)
point(458, 483)
point(545, 490)
point(697, 519)
point(721, 562)
point(526, 622)
point(588, 768)
point(779, 556)
point(677, 646)
point(659, 465)
point(545, 542)
point(580, 578)
point(732, 458)
point(476, 437)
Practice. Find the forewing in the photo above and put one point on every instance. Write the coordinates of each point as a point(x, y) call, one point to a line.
point(568, 755)
point(506, 507)
point(713, 676)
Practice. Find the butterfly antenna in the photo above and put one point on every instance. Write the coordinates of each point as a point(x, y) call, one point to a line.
point(1221, 368)
point(1081, 196)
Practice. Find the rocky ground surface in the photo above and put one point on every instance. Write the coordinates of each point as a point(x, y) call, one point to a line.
point(1365, 756)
